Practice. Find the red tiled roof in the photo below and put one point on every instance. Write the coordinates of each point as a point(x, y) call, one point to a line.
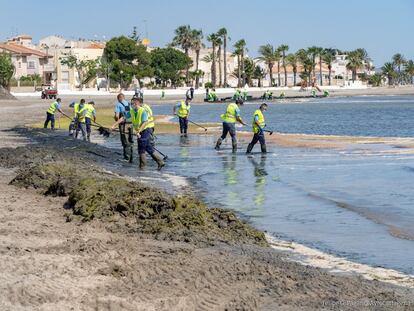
point(20, 49)
point(96, 45)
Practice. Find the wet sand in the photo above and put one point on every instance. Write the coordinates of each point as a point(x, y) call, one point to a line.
point(50, 263)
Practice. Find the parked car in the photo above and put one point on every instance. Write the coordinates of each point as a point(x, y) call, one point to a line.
point(48, 92)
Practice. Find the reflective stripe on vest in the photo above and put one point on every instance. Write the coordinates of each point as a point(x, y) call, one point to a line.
point(90, 110)
point(148, 109)
point(136, 118)
point(261, 121)
point(52, 108)
point(183, 110)
point(230, 115)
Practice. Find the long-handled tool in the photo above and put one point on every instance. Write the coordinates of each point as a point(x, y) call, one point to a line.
point(268, 131)
point(205, 129)
point(164, 155)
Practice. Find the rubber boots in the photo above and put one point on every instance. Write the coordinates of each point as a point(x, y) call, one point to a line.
point(234, 147)
point(142, 160)
point(219, 141)
point(249, 148)
point(263, 147)
point(159, 161)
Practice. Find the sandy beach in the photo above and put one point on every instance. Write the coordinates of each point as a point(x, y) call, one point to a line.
point(53, 259)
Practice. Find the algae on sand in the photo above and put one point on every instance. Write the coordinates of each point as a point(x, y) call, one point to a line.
point(95, 195)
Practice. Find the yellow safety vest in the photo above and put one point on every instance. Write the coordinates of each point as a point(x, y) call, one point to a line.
point(81, 113)
point(151, 122)
point(75, 110)
point(136, 118)
point(261, 120)
point(52, 108)
point(230, 115)
point(90, 111)
point(183, 110)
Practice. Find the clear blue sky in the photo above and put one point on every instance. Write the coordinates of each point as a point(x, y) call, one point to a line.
point(382, 27)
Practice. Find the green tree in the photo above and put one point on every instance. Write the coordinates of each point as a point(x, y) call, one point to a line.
point(168, 64)
point(398, 61)
point(305, 58)
point(197, 45)
point(127, 59)
point(214, 40)
point(222, 32)
point(259, 74)
point(268, 56)
point(313, 51)
point(376, 79)
point(389, 71)
point(219, 42)
point(184, 39)
point(86, 68)
point(240, 49)
point(283, 49)
point(356, 60)
point(292, 60)
point(409, 70)
point(328, 57)
point(6, 70)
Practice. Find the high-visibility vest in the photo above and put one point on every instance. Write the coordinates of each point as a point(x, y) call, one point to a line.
point(151, 122)
point(81, 113)
point(52, 108)
point(90, 111)
point(261, 121)
point(75, 109)
point(183, 110)
point(136, 118)
point(230, 115)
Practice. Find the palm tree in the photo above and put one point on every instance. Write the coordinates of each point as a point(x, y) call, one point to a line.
point(292, 60)
point(356, 60)
point(328, 56)
point(259, 74)
point(222, 32)
point(389, 70)
point(409, 69)
point(313, 51)
point(213, 38)
point(268, 56)
point(240, 47)
point(278, 56)
point(183, 38)
point(283, 49)
point(219, 42)
point(398, 60)
point(197, 45)
point(376, 79)
point(306, 59)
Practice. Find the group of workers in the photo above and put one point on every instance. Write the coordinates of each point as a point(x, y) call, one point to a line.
point(81, 121)
point(137, 117)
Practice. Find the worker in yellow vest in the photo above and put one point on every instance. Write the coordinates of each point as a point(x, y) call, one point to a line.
point(230, 118)
point(89, 116)
point(182, 110)
point(151, 122)
point(80, 119)
point(73, 126)
point(50, 113)
point(142, 126)
point(258, 124)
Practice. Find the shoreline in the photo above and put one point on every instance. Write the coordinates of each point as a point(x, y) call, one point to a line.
point(119, 269)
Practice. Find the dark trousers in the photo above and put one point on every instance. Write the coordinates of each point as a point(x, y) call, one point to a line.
point(183, 125)
point(229, 128)
point(88, 123)
point(125, 133)
point(49, 117)
point(145, 142)
point(258, 137)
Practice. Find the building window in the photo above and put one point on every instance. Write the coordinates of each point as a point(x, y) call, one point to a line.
point(31, 65)
point(65, 76)
point(20, 65)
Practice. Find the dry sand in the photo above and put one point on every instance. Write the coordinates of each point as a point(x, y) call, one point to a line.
point(50, 264)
